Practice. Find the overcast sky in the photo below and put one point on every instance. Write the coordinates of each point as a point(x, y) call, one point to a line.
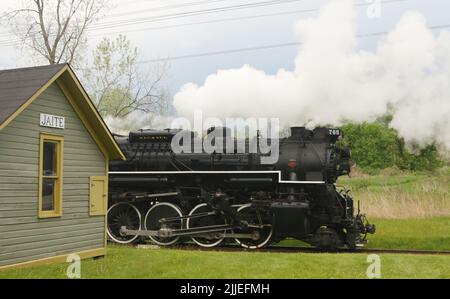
point(253, 28)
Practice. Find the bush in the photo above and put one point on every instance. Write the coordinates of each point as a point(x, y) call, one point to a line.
point(375, 146)
point(426, 159)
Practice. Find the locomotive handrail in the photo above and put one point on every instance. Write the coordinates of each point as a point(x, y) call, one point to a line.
point(219, 172)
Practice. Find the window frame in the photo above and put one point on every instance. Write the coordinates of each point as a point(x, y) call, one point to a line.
point(59, 141)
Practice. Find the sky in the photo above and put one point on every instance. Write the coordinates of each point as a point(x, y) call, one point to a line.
point(255, 23)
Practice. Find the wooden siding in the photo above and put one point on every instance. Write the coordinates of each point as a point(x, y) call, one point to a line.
point(23, 236)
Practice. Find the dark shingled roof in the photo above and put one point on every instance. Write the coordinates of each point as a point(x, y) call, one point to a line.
point(18, 85)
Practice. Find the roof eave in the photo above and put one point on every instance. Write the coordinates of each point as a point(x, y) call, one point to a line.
point(115, 153)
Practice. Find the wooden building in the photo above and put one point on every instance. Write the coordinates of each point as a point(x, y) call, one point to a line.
point(54, 155)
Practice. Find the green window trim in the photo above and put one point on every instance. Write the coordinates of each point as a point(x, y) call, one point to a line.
point(55, 179)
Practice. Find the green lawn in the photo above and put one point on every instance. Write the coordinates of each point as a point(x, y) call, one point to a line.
point(127, 262)
point(428, 233)
point(431, 234)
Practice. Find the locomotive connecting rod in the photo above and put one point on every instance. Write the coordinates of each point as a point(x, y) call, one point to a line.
point(206, 232)
point(199, 215)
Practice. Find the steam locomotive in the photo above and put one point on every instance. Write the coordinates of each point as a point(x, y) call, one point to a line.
point(232, 196)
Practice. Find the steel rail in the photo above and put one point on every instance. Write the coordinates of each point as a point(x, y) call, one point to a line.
point(285, 249)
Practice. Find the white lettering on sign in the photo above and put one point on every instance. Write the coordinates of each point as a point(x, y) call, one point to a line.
point(52, 121)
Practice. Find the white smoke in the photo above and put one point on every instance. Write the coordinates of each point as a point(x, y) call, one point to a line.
point(333, 81)
point(137, 120)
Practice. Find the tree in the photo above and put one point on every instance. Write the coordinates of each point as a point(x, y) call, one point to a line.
point(373, 145)
point(54, 30)
point(376, 146)
point(119, 85)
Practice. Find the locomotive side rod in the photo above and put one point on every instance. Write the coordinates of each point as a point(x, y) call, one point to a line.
point(198, 232)
point(167, 232)
point(199, 215)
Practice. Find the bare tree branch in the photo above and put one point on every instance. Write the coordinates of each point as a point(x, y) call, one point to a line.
point(55, 30)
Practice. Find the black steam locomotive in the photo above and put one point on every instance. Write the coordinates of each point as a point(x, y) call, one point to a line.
point(230, 196)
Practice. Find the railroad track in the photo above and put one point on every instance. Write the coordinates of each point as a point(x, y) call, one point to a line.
point(283, 249)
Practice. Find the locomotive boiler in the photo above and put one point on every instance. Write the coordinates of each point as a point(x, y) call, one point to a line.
point(233, 196)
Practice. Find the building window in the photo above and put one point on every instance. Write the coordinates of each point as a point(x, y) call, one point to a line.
point(50, 175)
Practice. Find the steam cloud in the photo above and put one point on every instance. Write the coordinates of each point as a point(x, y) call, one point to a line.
point(137, 120)
point(408, 75)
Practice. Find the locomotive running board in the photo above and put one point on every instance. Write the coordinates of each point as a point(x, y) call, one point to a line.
point(218, 172)
point(198, 232)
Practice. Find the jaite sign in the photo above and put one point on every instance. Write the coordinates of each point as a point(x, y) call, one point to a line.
point(52, 121)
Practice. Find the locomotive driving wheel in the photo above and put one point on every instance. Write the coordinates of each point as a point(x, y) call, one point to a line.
point(257, 223)
point(204, 221)
point(123, 214)
point(155, 214)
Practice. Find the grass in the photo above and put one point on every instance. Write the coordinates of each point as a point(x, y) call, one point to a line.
point(127, 262)
point(402, 195)
point(427, 233)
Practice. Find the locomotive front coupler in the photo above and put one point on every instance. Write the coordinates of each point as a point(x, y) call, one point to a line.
point(365, 226)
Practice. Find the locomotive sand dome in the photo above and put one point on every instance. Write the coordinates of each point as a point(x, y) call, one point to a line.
point(226, 197)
